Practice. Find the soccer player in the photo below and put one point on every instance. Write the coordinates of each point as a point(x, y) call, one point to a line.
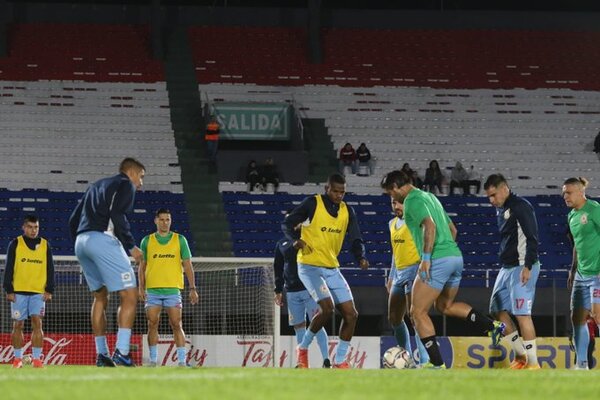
point(514, 289)
point(102, 236)
point(584, 276)
point(29, 284)
point(441, 264)
point(161, 282)
point(319, 245)
point(405, 261)
point(300, 304)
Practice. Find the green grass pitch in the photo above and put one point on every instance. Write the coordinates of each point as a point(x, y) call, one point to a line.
point(75, 382)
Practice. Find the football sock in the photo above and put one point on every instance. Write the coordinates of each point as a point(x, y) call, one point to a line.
point(516, 344)
point(36, 353)
point(323, 342)
point(101, 345)
point(123, 339)
point(342, 350)
point(402, 336)
point(582, 341)
point(299, 334)
point(18, 353)
point(423, 355)
point(307, 339)
point(482, 322)
point(531, 349)
point(153, 350)
point(433, 350)
point(181, 359)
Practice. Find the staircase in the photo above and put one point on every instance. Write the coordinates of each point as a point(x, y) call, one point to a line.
point(200, 182)
point(322, 160)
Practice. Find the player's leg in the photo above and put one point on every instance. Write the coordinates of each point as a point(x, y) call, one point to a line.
point(311, 308)
point(37, 310)
point(522, 303)
point(500, 303)
point(423, 296)
point(595, 299)
point(423, 356)
point(174, 308)
point(314, 283)
point(580, 309)
point(342, 297)
point(19, 313)
point(397, 308)
point(153, 309)
point(296, 313)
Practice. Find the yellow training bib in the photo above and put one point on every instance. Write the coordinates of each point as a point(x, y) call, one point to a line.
point(403, 246)
point(30, 272)
point(163, 266)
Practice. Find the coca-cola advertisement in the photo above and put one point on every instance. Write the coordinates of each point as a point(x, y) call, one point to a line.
point(256, 351)
point(67, 348)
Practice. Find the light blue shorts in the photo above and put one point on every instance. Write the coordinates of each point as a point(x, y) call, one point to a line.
point(104, 262)
point(445, 272)
point(26, 305)
point(403, 280)
point(508, 293)
point(166, 301)
point(324, 282)
point(586, 291)
point(300, 306)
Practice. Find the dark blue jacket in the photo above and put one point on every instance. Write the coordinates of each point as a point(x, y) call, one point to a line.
point(306, 210)
point(104, 207)
point(286, 267)
point(10, 265)
point(518, 231)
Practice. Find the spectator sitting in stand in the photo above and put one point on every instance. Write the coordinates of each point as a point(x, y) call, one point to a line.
point(459, 178)
point(434, 177)
point(270, 175)
point(364, 159)
point(474, 180)
point(253, 177)
point(347, 158)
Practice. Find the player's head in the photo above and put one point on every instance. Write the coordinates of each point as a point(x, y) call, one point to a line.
point(162, 219)
point(398, 207)
point(31, 226)
point(573, 192)
point(134, 169)
point(397, 184)
point(497, 190)
point(335, 188)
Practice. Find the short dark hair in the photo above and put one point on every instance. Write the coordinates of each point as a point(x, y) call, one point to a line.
point(400, 178)
point(30, 218)
point(578, 180)
point(130, 163)
point(494, 180)
point(336, 178)
point(162, 210)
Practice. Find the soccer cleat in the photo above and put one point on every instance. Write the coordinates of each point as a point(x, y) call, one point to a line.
point(326, 363)
point(497, 332)
point(37, 363)
point(152, 364)
point(533, 367)
point(518, 363)
point(342, 365)
point(302, 358)
point(184, 365)
point(104, 361)
point(122, 360)
point(17, 363)
point(582, 366)
point(429, 365)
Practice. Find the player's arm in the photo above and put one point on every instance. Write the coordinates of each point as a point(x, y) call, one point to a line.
point(49, 290)
point(391, 275)
point(278, 265)
point(428, 227)
point(142, 270)
point(453, 230)
point(357, 244)
point(74, 219)
point(121, 205)
point(526, 218)
point(306, 210)
point(9, 271)
point(188, 269)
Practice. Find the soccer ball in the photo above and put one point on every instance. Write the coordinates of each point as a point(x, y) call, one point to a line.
point(26, 359)
point(397, 358)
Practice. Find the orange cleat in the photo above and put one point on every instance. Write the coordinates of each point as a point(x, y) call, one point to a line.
point(17, 363)
point(342, 365)
point(302, 358)
point(518, 363)
point(37, 363)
